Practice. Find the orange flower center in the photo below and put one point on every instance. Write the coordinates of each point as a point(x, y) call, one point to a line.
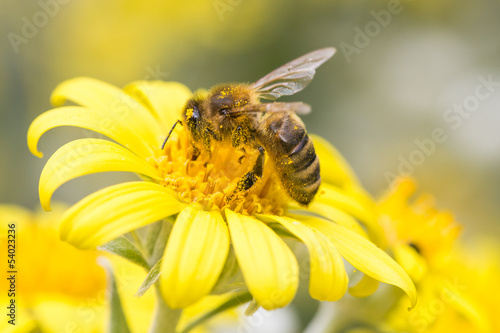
point(212, 178)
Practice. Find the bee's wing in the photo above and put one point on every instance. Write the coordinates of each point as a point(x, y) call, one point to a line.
point(297, 107)
point(293, 76)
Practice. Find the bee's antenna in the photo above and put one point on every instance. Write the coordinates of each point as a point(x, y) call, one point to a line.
point(168, 136)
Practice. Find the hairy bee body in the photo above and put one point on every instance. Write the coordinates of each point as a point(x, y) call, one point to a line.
point(233, 114)
point(281, 134)
point(286, 142)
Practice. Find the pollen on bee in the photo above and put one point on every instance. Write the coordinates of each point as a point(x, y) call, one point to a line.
point(212, 178)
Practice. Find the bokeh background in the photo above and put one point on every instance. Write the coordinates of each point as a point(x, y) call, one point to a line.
point(400, 70)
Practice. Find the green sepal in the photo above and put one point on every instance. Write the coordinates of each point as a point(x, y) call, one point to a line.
point(122, 247)
point(150, 279)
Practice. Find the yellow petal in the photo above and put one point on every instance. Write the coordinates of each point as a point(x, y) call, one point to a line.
point(328, 281)
point(86, 156)
point(365, 287)
point(108, 124)
point(109, 99)
point(334, 168)
point(115, 210)
point(338, 216)
point(411, 261)
point(353, 201)
point(466, 306)
point(348, 202)
point(269, 267)
point(164, 99)
point(366, 256)
point(194, 257)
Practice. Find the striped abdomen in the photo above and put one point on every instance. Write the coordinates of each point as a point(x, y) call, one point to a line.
point(285, 140)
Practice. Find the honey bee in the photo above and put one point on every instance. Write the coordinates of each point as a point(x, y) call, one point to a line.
point(233, 114)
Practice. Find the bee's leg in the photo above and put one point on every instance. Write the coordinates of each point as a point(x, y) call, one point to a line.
point(196, 152)
point(249, 179)
point(237, 137)
point(242, 156)
point(207, 139)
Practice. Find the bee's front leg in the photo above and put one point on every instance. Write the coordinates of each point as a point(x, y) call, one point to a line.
point(241, 136)
point(206, 137)
point(237, 137)
point(251, 177)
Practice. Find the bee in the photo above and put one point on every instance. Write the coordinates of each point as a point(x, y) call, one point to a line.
point(233, 114)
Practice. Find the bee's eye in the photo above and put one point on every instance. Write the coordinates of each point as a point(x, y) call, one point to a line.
point(224, 111)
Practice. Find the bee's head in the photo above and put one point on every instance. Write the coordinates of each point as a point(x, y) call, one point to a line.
point(211, 112)
point(223, 98)
point(192, 116)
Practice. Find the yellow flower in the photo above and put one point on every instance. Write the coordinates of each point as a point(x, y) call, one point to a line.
point(419, 234)
point(459, 299)
point(211, 220)
point(473, 268)
point(52, 277)
point(454, 281)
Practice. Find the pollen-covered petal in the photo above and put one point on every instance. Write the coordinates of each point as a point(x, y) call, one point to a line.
point(328, 281)
point(269, 267)
point(366, 256)
point(165, 100)
point(336, 171)
point(115, 210)
point(107, 124)
point(86, 156)
point(194, 257)
point(109, 99)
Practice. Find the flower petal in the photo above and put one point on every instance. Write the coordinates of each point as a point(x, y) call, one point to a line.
point(353, 201)
point(411, 261)
point(329, 279)
point(115, 210)
point(86, 156)
point(366, 256)
point(108, 124)
point(365, 287)
point(110, 100)
point(336, 215)
point(347, 201)
point(194, 257)
point(269, 267)
point(338, 172)
point(164, 99)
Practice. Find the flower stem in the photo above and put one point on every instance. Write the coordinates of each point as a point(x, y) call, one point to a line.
point(165, 319)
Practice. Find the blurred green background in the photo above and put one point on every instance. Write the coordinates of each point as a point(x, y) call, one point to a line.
point(400, 69)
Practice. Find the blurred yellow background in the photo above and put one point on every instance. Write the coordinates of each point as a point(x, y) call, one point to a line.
point(414, 87)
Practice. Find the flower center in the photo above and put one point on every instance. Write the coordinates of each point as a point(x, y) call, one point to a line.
point(212, 178)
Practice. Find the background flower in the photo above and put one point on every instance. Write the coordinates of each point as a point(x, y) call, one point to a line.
point(53, 277)
point(452, 276)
